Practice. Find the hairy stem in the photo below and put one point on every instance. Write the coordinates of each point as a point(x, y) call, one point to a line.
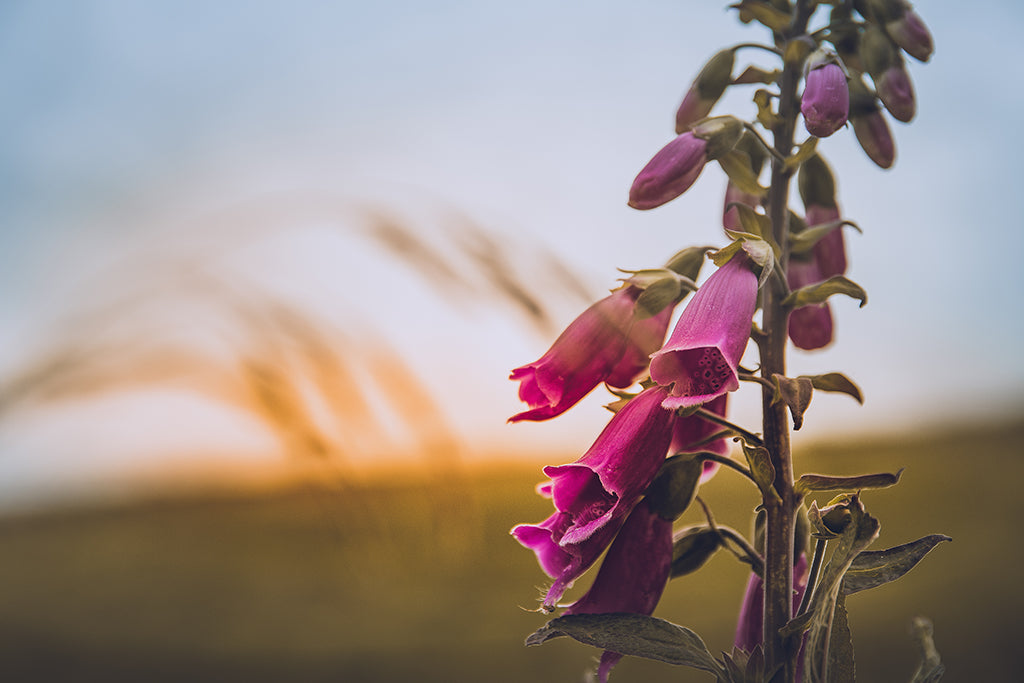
point(780, 522)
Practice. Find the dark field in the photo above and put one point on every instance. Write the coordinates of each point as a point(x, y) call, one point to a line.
point(416, 579)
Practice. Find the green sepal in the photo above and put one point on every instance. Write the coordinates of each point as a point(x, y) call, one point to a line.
point(692, 547)
point(763, 13)
point(836, 382)
point(759, 251)
point(755, 74)
point(819, 293)
point(721, 133)
point(803, 241)
point(675, 485)
point(737, 166)
point(806, 150)
point(765, 115)
point(796, 392)
point(762, 470)
point(632, 634)
point(661, 287)
point(812, 483)
point(815, 182)
point(871, 569)
point(689, 261)
point(754, 224)
point(716, 75)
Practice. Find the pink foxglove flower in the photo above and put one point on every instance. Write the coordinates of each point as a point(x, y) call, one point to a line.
point(593, 495)
point(669, 173)
point(690, 431)
point(706, 90)
point(699, 362)
point(606, 343)
point(633, 574)
point(897, 93)
point(825, 103)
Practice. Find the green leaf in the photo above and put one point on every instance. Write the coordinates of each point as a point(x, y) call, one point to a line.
point(841, 668)
point(632, 634)
point(762, 470)
point(857, 535)
point(692, 547)
point(675, 485)
point(820, 482)
point(819, 293)
point(871, 569)
point(736, 165)
point(722, 256)
point(753, 222)
point(796, 392)
point(836, 382)
point(805, 151)
point(931, 669)
point(765, 115)
point(803, 241)
point(762, 12)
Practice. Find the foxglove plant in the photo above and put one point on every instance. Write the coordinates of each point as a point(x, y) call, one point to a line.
point(672, 433)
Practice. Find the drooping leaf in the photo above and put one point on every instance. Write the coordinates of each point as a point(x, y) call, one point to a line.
point(632, 634)
point(763, 13)
point(753, 222)
point(931, 668)
point(836, 382)
point(871, 569)
point(692, 547)
point(841, 666)
point(796, 393)
point(765, 115)
point(820, 482)
point(803, 241)
point(819, 293)
point(736, 165)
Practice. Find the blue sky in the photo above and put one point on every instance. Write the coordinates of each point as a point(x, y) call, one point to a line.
point(252, 139)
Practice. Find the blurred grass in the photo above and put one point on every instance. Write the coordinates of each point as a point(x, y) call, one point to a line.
point(414, 577)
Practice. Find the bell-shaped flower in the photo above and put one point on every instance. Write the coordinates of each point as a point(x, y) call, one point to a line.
point(690, 434)
point(825, 103)
point(669, 173)
point(749, 627)
point(699, 362)
point(911, 34)
point(593, 495)
point(633, 574)
point(606, 343)
point(897, 93)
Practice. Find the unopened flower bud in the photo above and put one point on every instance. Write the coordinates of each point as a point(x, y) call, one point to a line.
point(875, 138)
point(669, 173)
point(706, 90)
point(910, 33)
point(897, 93)
point(825, 103)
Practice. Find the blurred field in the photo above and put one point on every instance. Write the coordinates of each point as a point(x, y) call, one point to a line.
point(413, 577)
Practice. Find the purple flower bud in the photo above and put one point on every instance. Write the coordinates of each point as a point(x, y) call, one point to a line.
point(730, 215)
point(875, 138)
point(810, 327)
point(606, 343)
point(897, 93)
point(669, 173)
point(633, 574)
point(910, 33)
point(594, 495)
point(826, 100)
point(700, 359)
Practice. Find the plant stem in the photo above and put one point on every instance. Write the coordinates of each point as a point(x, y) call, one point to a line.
point(780, 654)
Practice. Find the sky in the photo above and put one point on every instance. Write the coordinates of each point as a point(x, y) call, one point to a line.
point(175, 172)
